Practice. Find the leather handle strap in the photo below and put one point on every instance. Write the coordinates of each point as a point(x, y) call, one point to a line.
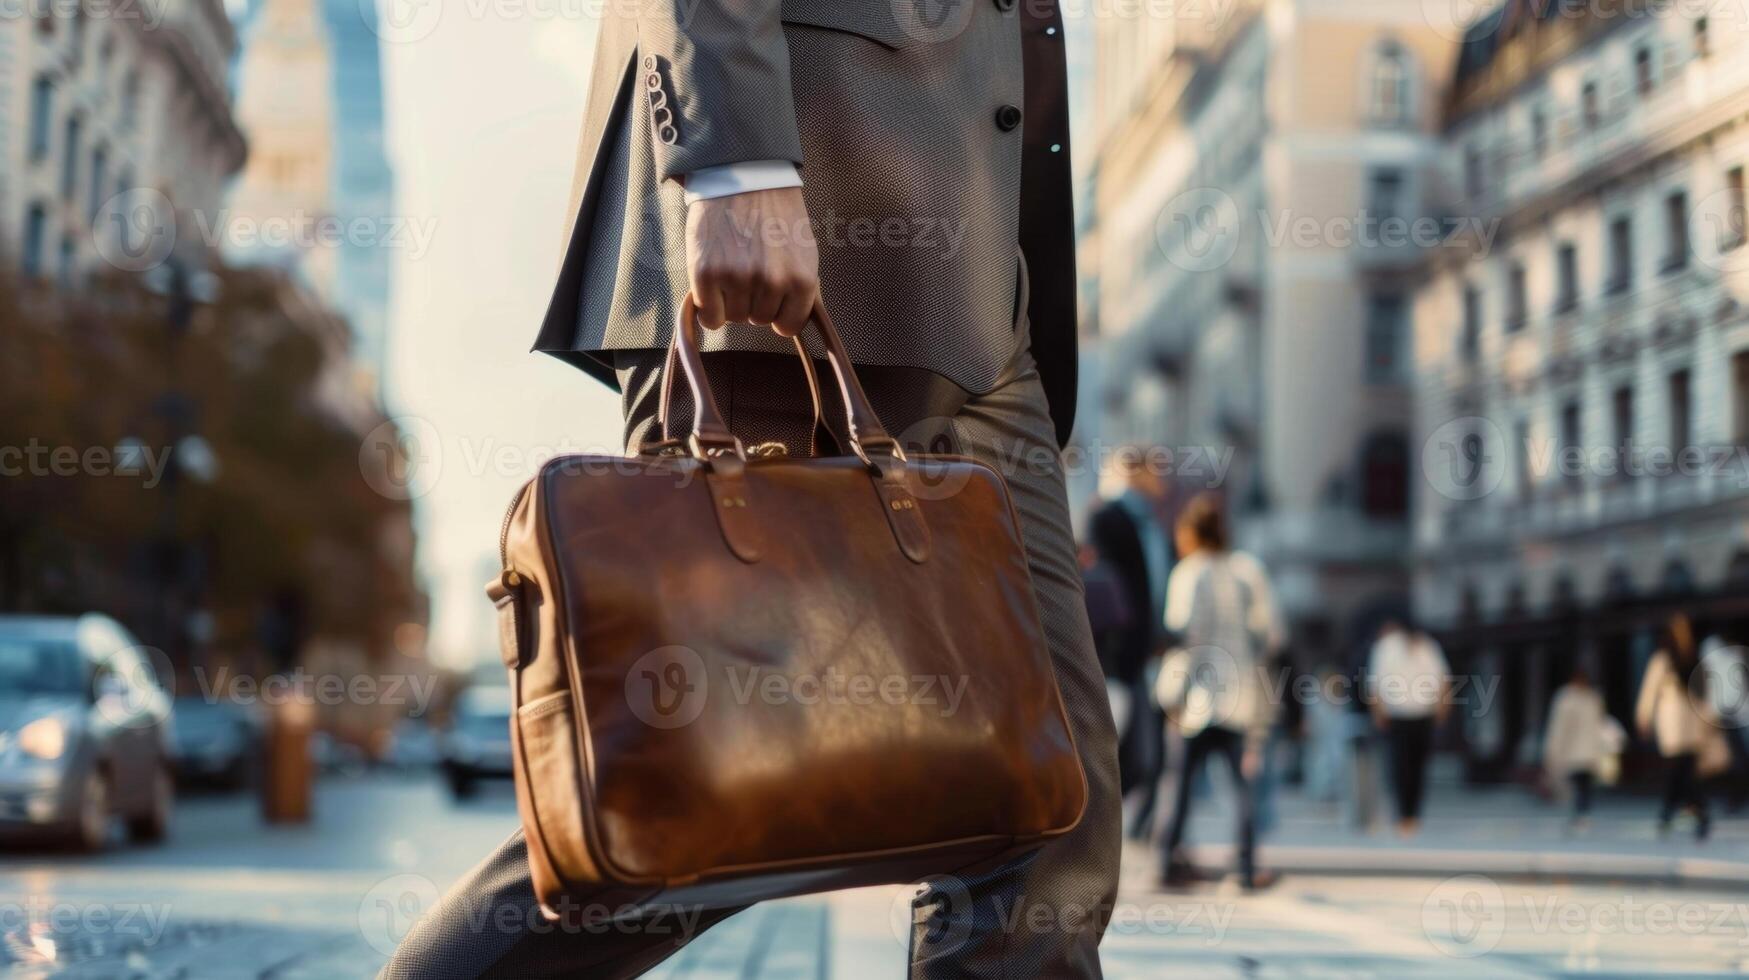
point(820, 443)
point(709, 431)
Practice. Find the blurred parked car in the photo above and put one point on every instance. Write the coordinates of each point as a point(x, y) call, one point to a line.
point(477, 743)
point(337, 757)
point(84, 731)
point(215, 743)
point(412, 746)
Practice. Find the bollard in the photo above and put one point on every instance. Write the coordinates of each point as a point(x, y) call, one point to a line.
point(287, 774)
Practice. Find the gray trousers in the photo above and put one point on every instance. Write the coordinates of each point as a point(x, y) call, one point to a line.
point(1041, 916)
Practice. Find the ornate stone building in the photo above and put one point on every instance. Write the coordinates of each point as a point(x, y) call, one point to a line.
point(1261, 173)
point(1583, 379)
point(116, 136)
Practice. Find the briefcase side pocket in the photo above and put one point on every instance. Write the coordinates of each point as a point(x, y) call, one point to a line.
point(551, 779)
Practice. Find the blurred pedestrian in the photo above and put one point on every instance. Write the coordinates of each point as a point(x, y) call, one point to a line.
point(1327, 730)
point(1580, 735)
point(1111, 618)
point(1672, 711)
point(1220, 610)
point(1727, 692)
point(1129, 538)
point(1410, 687)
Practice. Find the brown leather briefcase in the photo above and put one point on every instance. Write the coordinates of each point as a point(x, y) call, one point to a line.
point(743, 677)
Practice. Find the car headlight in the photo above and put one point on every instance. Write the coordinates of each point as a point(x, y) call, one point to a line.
point(45, 738)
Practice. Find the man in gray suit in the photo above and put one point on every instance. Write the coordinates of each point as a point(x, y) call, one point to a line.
point(906, 160)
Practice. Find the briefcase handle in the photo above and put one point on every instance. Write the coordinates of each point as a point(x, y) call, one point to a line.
point(710, 435)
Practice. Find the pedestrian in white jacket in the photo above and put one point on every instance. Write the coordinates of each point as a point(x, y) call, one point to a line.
point(1672, 710)
point(1579, 736)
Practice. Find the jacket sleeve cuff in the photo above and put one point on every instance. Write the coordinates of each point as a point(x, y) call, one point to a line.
point(740, 178)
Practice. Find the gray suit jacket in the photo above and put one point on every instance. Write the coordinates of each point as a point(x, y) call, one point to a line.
point(921, 127)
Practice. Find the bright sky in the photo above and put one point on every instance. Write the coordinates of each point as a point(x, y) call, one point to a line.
point(484, 101)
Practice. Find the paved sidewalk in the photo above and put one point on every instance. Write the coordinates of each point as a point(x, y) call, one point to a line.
point(1503, 831)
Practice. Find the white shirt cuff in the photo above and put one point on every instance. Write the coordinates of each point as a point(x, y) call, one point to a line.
point(741, 178)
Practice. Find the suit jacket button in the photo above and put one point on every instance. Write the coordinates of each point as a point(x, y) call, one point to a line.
point(1007, 117)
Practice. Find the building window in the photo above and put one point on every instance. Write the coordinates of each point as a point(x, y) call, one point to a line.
point(76, 43)
point(1644, 82)
point(1521, 458)
point(1621, 255)
point(70, 159)
point(1566, 277)
point(1740, 398)
point(130, 100)
point(1703, 45)
point(36, 230)
point(1622, 412)
point(69, 273)
point(1588, 107)
point(1681, 411)
point(1384, 476)
point(1572, 444)
point(1384, 196)
point(1470, 340)
point(1675, 231)
point(99, 174)
point(1539, 132)
point(1517, 298)
point(42, 110)
point(1386, 315)
point(1390, 86)
point(1737, 207)
point(1474, 177)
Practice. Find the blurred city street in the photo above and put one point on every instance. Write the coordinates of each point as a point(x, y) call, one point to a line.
point(226, 897)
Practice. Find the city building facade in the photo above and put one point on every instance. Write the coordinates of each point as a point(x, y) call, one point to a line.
point(1583, 376)
point(116, 136)
point(1261, 173)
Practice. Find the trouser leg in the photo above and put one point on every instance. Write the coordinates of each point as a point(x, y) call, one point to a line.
point(1196, 750)
point(490, 926)
point(1422, 755)
point(1231, 745)
point(1678, 773)
point(1402, 739)
point(1582, 785)
point(1151, 751)
point(1073, 878)
point(981, 926)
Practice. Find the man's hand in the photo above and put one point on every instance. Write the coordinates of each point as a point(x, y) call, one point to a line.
point(752, 258)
